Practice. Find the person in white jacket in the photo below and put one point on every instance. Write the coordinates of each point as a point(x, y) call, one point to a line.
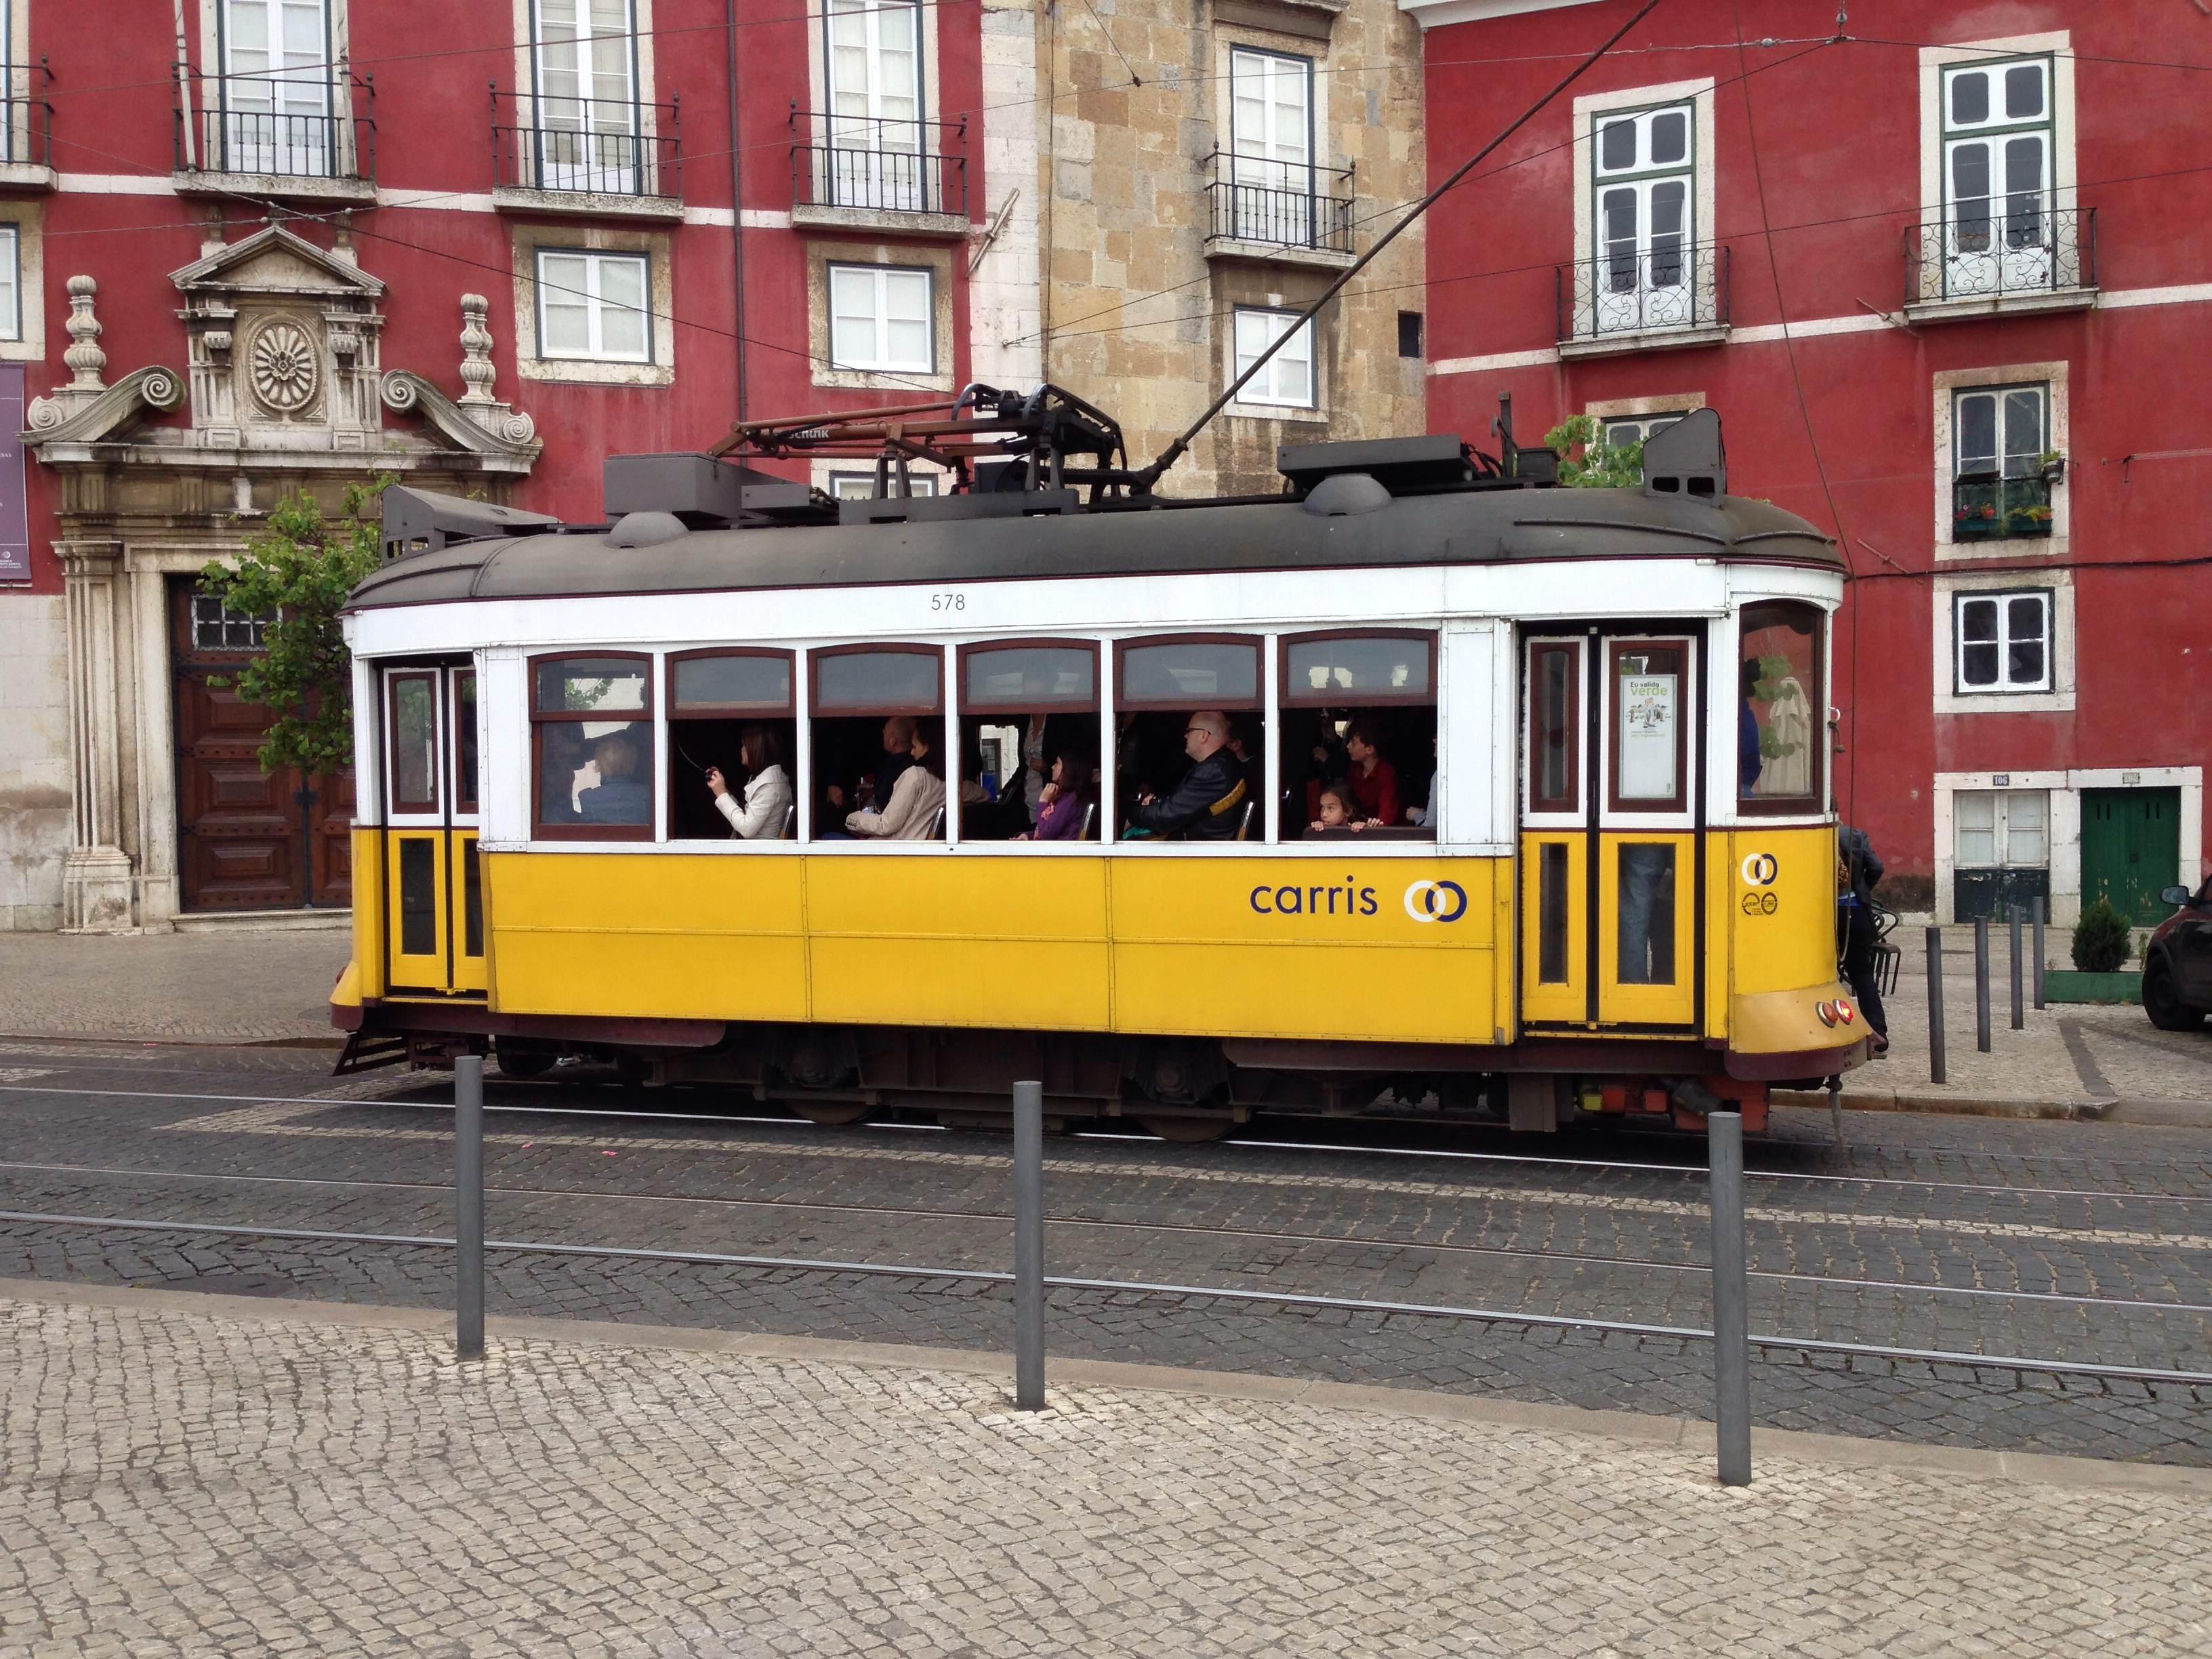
point(911, 812)
point(758, 815)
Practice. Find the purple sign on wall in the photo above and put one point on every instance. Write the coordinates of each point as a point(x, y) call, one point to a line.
point(14, 525)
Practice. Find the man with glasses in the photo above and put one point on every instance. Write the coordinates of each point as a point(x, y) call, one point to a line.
point(1208, 804)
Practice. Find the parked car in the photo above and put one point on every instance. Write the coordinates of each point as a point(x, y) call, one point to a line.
point(2177, 981)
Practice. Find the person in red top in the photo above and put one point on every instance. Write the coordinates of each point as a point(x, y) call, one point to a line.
point(1371, 778)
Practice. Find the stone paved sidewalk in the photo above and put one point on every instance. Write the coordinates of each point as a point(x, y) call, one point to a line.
point(244, 987)
point(181, 1479)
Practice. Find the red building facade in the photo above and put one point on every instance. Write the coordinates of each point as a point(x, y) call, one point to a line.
point(248, 245)
point(1949, 282)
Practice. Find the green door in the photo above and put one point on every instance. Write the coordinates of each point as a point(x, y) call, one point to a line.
point(2130, 847)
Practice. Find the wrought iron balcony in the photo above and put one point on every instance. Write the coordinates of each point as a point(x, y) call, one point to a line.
point(587, 146)
point(1986, 507)
point(2011, 249)
point(27, 129)
point(877, 166)
point(1631, 292)
point(1280, 204)
point(242, 129)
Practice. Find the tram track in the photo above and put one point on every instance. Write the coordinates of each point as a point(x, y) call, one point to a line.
point(917, 1213)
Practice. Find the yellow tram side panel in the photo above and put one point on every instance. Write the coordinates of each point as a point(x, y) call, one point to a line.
point(1779, 920)
point(1385, 949)
point(363, 979)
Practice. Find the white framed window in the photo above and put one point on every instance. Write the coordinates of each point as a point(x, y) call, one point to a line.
point(587, 121)
point(1620, 431)
point(861, 486)
point(2004, 641)
point(11, 283)
point(872, 51)
point(1999, 435)
point(1643, 169)
point(2001, 829)
point(1271, 145)
point(276, 88)
point(882, 317)
point(1997, 176)
point(1287, 380)
point(593, 307)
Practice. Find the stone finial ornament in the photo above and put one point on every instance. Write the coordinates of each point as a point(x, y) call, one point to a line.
point(477, 370)
point(84, 357)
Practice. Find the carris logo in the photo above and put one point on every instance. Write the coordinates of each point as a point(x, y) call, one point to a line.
point(1436, 901)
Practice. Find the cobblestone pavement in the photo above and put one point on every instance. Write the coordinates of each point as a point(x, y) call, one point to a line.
point(2065, 1056)
point(174, 1484)
point(275, 986)
point(2113, 1212)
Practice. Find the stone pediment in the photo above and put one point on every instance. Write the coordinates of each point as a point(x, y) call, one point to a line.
point(276, 261)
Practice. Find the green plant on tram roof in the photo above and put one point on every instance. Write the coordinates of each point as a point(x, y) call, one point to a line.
point(1600, 465)
point(297, 572)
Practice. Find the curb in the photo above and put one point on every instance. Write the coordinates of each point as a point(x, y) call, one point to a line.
point(2139, 1110)
point(159, 1039)
point(2041, 1468)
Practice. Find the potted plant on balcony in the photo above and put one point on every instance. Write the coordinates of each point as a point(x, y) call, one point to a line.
point(2052, 466)
point(2028, 520)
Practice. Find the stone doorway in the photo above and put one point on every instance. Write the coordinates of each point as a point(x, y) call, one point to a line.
point(246, 840)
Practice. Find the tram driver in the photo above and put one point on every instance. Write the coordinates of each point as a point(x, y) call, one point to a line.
point(1208, 805)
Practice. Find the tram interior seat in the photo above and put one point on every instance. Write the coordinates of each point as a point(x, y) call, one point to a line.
point(1090, 829)
point(790, 829)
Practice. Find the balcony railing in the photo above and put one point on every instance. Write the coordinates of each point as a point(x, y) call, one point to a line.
point(27, 129)
point(240, 131)
point(2001, 250)
point(1643, 290)
point(593, 146)
point(1986, 507)
point(1279, 203)
point(877, 166)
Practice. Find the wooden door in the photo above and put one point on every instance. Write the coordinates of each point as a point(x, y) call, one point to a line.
point(247, 839)
point(2130, 848)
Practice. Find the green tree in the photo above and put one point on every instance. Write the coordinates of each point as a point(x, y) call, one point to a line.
point(1600, 465)
point(297, 574)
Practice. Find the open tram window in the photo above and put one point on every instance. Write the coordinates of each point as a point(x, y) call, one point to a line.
point(591, 724)
point(1189, 738)
point(877, 713)
point(731, 710)
point(1782, 737)
point(1360, 758)
point(1028, 714)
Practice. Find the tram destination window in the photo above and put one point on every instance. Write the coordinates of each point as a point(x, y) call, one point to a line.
point(591, 728)
point(731, 709)
point(1189, 739)
point(1359, 762)
point(1782, 735)
point(1029, 762)
point(877, 713)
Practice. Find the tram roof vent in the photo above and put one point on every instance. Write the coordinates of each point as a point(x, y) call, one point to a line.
point(1687, 459)
point(424, 521)
point(703, 493)
point(1399, 465)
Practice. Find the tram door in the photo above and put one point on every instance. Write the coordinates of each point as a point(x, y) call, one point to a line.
point(1608, 842)
point(434, 894)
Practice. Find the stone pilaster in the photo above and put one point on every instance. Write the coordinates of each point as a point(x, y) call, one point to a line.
point(96, 874)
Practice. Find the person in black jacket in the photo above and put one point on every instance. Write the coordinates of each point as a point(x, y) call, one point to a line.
point(1860, 867)
point(1208, 804)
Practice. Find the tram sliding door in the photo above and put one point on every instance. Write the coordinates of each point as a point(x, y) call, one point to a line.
point(1608, 830)
point(433, 893)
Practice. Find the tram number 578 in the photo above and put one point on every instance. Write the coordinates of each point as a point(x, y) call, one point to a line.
point(948, 601)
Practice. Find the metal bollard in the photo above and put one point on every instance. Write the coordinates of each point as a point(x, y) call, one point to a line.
point(2018, 1016)
point(468, 1205)
point(1731, 1300)
point(2035, 912)
point(1936, 1005)
point(1029, 1246)
point(1982, 984)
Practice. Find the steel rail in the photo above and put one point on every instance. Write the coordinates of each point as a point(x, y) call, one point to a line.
point(980, 1275)
point(921, 1213)
point(1438, 1153)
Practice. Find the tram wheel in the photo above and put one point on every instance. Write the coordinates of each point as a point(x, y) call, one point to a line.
point(1187, 1130)
point(829, 1113)
point(524, 1064)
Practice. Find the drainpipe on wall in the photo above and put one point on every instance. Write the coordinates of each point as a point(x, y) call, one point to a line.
point(736, 206)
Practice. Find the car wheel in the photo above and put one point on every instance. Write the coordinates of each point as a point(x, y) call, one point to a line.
point(2162, 1001)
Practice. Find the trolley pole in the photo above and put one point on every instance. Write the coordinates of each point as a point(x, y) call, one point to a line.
point(1731, 1299)
point(468, 1204)
point(1982, 984)
point(2018, 1016)
point(2035, 913)
point(1936, 1005)
point(1029, 1246)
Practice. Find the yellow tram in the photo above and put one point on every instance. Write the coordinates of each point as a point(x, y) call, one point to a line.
point(1607, 711)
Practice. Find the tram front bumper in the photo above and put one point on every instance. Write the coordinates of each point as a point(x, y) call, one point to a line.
point(1775, 1036)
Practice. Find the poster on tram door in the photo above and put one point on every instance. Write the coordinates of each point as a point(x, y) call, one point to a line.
point(1647, 736)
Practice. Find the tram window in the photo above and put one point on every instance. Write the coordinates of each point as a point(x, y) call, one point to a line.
point(1782, 737)
point(1025, 706)
point(716, 697)
point(591, 717)
point(465, 743)
point(1160, 684)
point(869, 702)
point(1555, 727)
point(1359, 712)
point(413, 701)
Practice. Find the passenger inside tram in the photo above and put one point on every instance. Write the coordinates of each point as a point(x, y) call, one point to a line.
point(760, 808)
point(608, 787)
point(1339, 805)
point(1066, 802)
point(1208, 802)
point(1361, 742)
point(913, 810)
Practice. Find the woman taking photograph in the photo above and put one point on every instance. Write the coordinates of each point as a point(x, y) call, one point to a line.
point(767, 800)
